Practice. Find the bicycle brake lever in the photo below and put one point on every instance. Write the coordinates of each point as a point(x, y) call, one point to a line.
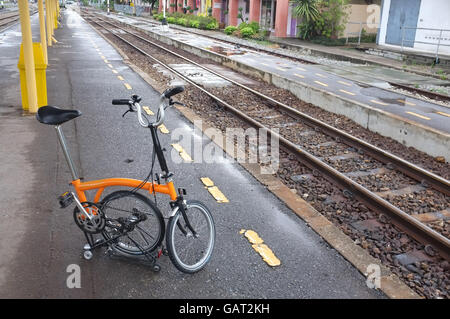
point(123, 115)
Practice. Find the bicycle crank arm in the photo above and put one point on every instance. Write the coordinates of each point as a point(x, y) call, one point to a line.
point(77, 202)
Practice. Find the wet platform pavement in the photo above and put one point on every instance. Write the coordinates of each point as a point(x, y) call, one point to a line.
point(364, 85)
point(43, 239)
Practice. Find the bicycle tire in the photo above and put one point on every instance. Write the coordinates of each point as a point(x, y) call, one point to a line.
point(175, 235)
point(150, 209)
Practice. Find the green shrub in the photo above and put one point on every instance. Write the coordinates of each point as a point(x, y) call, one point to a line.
point(230, 29)
point(247, 32)
point(158, 17)
point(205, 21)
point(212, 25)
point(242, 25)
point(194, 24)
point(254, 25)
point(181, 21)
point(192, 21)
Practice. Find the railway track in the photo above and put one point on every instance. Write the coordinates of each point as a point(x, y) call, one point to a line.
point(351, 164)
point(8, 19)
point(416, 92)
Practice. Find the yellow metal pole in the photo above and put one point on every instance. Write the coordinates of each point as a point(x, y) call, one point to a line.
point(52, 24)
point(27, 42)
point(49, 23)
point(55, 14)
point(42, 29)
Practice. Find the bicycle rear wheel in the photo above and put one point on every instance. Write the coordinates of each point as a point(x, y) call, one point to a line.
point(190, 253)
point(146, 235)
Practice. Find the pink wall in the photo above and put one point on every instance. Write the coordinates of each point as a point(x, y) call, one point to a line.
point(171, 9)
point(191, 4)
point(217, 12)
point(233, 12)
point(281, 18)
point(255, 10)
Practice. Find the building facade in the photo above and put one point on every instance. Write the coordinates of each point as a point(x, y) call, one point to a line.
point(273, 15)
point(416, 24)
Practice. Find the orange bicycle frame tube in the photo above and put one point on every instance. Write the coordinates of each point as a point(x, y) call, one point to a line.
point(101, 184)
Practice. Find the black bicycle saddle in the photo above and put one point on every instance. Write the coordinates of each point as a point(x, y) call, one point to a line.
point(53, 115)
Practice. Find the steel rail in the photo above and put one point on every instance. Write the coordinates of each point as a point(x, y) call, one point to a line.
point(6, 16)
point(407, 223)
point(407, 168)
point(432, 95)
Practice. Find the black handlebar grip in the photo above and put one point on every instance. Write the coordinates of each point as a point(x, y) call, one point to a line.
point(121, 102)
point(172, 91)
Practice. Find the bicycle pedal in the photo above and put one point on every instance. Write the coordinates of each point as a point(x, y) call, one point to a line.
point(65, 199)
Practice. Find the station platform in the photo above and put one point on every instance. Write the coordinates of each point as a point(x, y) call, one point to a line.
point(357, 93)
point(41, 240)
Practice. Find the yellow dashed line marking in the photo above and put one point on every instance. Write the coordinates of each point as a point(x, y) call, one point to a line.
point(114, 71)
point(406, 102)
point(281, 69)
point(265, 64)
point(214, 190)
point(345, 83)
point(262, 249)
point(183, 154)
point(163, 129)
point(110, 66)
point(207, 181)
point(106, 61)
point(148, 111)
point(347, 92)
point(443, 113)
point(378, 102)
point(120, 78)
point(299, 75)
point(128, 86)
point(301, 69)
point(323, 84)
point(420, 116)
point(321, 75)
point(103, 57)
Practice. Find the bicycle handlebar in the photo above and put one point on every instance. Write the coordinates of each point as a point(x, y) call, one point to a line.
point(121, 102)
point(164, 99)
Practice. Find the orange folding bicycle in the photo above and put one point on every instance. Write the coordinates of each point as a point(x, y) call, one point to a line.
point(130, 224)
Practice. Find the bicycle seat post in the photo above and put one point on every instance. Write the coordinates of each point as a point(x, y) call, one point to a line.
point(62, 142)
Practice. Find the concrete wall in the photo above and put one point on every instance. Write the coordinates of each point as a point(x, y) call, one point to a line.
point(433, 14)
point(369, 15)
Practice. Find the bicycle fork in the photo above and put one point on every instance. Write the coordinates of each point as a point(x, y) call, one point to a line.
point(180, 204)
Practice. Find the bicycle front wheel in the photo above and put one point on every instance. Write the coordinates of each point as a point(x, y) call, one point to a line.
point(191, 252)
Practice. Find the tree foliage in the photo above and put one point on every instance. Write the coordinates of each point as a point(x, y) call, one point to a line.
point(307, 10)
point(323, 18)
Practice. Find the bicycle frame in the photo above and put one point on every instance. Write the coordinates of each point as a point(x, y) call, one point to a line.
point(100, 185)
